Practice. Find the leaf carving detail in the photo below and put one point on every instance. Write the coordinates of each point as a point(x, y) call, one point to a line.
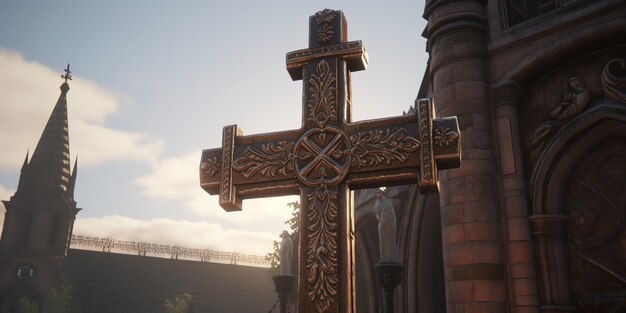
point(375, 147)
point(322, 259)
point(211, 166)
point(270, 160)
point(444, 136)
point(322, 102)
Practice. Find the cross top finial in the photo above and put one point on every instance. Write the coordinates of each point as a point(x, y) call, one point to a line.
point(68, 73)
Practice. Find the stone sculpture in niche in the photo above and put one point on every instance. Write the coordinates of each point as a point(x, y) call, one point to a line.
point(286, 253)
point(387, 226)
point(574, 101)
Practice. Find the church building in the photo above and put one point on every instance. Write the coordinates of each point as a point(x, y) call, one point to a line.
point(534, 219)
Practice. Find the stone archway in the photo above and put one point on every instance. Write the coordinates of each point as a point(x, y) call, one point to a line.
point(579, 208)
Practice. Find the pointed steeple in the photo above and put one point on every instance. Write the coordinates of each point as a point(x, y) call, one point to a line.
point(49, 167)
point(41, 214)
point(70, 190)
point(25, 160)
point(22, 171)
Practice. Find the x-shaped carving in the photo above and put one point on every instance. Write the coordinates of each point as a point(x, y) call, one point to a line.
point(320, 155)
point(325, 153)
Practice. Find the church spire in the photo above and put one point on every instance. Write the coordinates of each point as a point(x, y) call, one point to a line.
point(41, 214)
point(49, 167)
point(22, 171)
point(25, 160)
point(70, 190)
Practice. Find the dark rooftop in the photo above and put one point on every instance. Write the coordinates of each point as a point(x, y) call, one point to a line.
point(121, 283)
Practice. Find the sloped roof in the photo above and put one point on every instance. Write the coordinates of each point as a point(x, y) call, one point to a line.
point(49, 167)
point(120, 283)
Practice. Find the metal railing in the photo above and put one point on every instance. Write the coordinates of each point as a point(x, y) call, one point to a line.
point(141, 248)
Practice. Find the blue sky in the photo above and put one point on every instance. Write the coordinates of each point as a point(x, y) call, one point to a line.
point(155, 81)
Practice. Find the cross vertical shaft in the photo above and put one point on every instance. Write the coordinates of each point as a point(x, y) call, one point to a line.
point(326, 234)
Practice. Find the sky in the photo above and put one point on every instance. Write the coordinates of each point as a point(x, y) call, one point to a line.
point(153, 84)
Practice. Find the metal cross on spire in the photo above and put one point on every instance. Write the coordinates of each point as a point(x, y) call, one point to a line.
point(68, 73)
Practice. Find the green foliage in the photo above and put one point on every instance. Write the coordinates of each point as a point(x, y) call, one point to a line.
point(274, 258)
point(294, 221)
point(60, 301)
point(25, 305)
point(182, 305)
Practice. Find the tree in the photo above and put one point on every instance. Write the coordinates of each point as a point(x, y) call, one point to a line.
point(60, 301)
point(25, 305)
point(183, 302)
point(274, 258)
point(294, 221)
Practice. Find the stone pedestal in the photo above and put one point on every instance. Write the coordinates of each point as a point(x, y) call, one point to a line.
point(282, 285)
point(389, 276)
point(549, 232)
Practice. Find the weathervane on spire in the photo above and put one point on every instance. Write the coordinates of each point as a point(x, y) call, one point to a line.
point(68, 73)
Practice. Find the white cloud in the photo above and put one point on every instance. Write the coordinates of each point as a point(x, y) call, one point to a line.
point(177, 232)
point(96, 144)
point(5, 194)
point(28, 92)
point(176, 179)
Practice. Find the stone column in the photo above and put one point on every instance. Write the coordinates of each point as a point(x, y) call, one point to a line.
point(520, 263)
point(472, 248)
point(549, 232)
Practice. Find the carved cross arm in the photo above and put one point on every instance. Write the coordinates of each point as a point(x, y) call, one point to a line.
point(249, 167)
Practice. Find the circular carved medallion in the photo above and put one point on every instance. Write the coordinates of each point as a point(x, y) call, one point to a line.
point(320, 156)
point(25, 272)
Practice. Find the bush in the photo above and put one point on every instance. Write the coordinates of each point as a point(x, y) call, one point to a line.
point(182, 305)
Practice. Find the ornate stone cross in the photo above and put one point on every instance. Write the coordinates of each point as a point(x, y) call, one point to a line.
point(328, 156)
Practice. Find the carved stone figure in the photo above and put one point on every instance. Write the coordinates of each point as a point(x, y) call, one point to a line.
point(386, 217)
point(286, 253)
point(574, 101)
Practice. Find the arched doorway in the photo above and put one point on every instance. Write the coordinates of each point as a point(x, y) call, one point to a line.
point(579, 206)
